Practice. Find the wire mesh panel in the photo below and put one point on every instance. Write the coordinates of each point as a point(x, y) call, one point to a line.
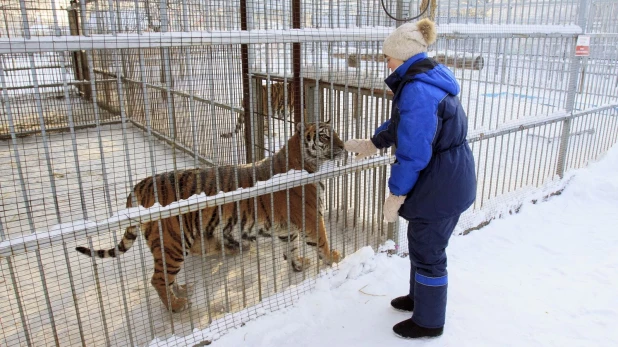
point(210, 134)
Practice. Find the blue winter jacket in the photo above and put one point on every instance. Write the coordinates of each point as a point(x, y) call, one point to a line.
point(434, 165)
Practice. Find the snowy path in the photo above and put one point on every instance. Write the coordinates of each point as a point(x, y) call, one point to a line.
point(544, 277)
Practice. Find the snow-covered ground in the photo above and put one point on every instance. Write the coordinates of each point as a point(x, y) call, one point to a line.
point(544, 277)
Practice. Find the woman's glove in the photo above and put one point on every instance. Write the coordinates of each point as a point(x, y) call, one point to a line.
point(364, 148)
point(391, 207)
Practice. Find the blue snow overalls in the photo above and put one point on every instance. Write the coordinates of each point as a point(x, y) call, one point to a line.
point(434, 168)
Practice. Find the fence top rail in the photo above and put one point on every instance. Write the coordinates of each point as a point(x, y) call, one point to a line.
point(205, 38)
point(534, 122)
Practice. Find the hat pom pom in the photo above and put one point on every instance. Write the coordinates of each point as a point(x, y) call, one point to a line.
point(428, 29)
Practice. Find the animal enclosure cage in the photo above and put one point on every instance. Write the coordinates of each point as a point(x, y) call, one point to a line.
point(98, 95)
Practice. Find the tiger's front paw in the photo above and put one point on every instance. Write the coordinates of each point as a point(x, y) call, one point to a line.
point(183, 291)
point(334, 257)
point(179, 304)
point(300, 263)
point(243, 246)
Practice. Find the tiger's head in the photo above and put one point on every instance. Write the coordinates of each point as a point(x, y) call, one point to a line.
point(321, 142)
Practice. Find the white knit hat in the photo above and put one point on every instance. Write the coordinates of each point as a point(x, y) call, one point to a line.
point(410, 39)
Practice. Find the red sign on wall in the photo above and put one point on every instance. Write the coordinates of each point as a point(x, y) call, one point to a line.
point(582, 47)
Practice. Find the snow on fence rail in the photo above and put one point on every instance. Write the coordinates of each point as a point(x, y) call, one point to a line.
point(205, 38)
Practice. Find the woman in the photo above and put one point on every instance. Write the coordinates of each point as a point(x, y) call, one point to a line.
point(433, 179)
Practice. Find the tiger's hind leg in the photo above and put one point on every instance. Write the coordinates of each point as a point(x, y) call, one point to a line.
point(290, 252)
point(163, 279)
point(316, 236)
point(182, 290)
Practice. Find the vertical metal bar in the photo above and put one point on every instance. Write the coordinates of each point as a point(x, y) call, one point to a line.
point(73, 294)
point(252, 93)
point(587, 137)
point(122, 290)
point(606, 84)
point(545, 73)
point(244, 56)
point(20, 174)
point(529, 12)
point(539, 148)
point(100, 18)
point(99, 295)
point(602, 134)
point(614, 120)
point(467, 14)
point(185, 16)
point(539, 173)
point(303, 121)
point(163, 14)
point(46, 295)
point(18, 299)
point(526, 156)
point(147, 113)
point(581, 150)
point(39, 107)
point(485, 172)
point(570, 102)
point(556, 8)
point(568, 158)
point(187, 51)
point(71, 122)
point(458, 11)
point(6, 23)
point(235, 162)
point(24, 18)
point(218, 184)
point(169, 99)
point(506, 166)
point(79, 177)
point(551, 162)
point(296, 63)
point(519, 162)
point(498, 45)
point(499, 164)
point(37, 98)
point(319, 193)
point(577, 141)
point(97, 117)
point(269, 113)
point(517, 68)
point(478, 87)
point(2, 234)
point(194, 130)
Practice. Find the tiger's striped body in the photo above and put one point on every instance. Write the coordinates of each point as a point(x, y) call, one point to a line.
point(234, 224)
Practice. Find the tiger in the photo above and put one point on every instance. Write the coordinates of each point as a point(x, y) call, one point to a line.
point(307, 148)
point(277, 102)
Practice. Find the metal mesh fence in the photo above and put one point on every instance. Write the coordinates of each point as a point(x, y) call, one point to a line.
point(99, 95)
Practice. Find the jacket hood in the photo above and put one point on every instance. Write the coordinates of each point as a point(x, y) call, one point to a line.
point(440, 76)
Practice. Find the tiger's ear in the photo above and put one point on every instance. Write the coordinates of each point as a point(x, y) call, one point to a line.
point(327, 122)
point(299, 127)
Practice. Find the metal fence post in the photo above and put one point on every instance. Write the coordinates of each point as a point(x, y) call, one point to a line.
point(576, 63)
point(80, 67)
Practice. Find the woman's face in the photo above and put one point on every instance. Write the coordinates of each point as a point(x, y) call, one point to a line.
point(392, 63)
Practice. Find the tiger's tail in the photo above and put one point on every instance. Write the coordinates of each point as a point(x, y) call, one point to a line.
point(128, 238)
point(239, 123)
